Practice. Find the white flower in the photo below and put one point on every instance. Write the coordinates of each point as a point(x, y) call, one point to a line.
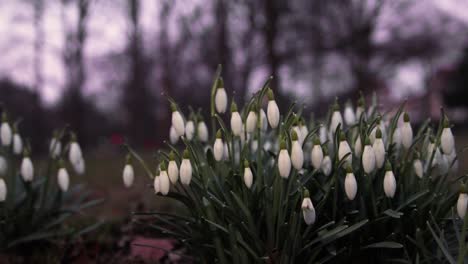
point(218, 147)
point(225, 151)
point(284, 162)
point(157, 185)
point(397, 137)
point(326, 165)
point(177, 121)
point(236, 123)
point(75, 154)
point(308, 211)
point(406, 132)
point(3, 190)
point(349, 116)
point(164, 183)
point(418, 168)
point(221, 100)
point(3, 166)
point(297, 155)
point(27, 169)
point(350, 185)
point(437, 159)
point(55, 147)
point(63, 179)
point(128, 175)
point(447, 143)
point(379, 151)
point(359, 112)
point(368, 158)
point(263, 120)
point(298, 132)
point(5, 134)
point(202, 130)
point(316, 155)
point(185, 170)
point(17, 144)
point(336, 120)
point(173, 171)
point(462, 204)
point(389, 184)
point(273, 113)
point(304, 131)
point(358, 146)
point(251, 122)
point(248, 176)
point(79, 166)
point(323, 134)
point(343, 150)
point(254, 145)
point(189, 131)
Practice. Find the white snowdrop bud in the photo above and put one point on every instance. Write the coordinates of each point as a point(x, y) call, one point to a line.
point(17, 144)
point(177, 121)
point(297, 155)
point(55, 147)
point(74, 153)
point(3, 190)
point(221, 99)
point(368, 157)
point(418, 168)
point(272, 110)
point(164, 183)
point(323, 134)
point(360, 108)
point(128, 175)
point(462, 202)
point(406, 132)
point(251, 122)
point(236, 120)
point(248, 176)
point(27, 169)
point(304, 131)
point(397, 137)
point(186, 169)
point(284, 162)
point(447, 143)
point(5, 131)
point(358, 146)
point(3, 166)
point(157, 185)
point(172, 169)
point(189, 131)
point(225, 151)
point(79, 167)
point(308, 209)
point(263, 121)
point(379, 149)
point(431, 148)
point(202, 131)
point(63, 179)
point(389, 183)
point(336, 119)
point(254, 145)
point(344, 149)
point(173, 136)
point(350, 184)
point(218, 147)
point(316, 154)
point(349, 116)
point(326, 164)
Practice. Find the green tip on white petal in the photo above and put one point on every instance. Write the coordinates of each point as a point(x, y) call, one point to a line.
point(316, 140)
point(388, 166)
point(306, 193)
point(172, 155)
point(367, 142)
point(361, 101)
point(246, 164)
point(26, 152)
point(378, 133)
point(233, 107)
point(4, 116)
point(446, 122)
point(463, 188)
point(270, 95)
point(73, 137)
point(325, 150)
point(128, 158)
point(283, 144)
point(220, 83)
point(294, 136)
point(406, 117)
point(219, 134)
point(349, 169)
point(336, 106)
point(186, 154)
point(342, 136)
point(173, 107)
point(61, 163)
point(163, 166)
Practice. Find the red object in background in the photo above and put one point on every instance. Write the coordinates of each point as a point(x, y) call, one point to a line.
point(116, 139)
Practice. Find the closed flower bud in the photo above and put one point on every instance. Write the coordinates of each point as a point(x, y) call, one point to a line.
point(248, 176)
point(3, 166)
point(5, 131)
point(157, 185)
point(218, 147)
point(336, 119)
point(79, 166)
point(360, 107)
point(272, 110)
point(297, 155)
point(437, 158)
point(63, 179)
point(263, 120)
point(173, 136)
point(27, 169)
point(406, 132)
point(308, 209)
point(202, 131)
point(326, 163)
point(350, 184)
point(226, 151)
point(418, 168)
point(323, 134)
point(236, 121)
point(221, 99)
point(447, 143)
point(379, 150)
point(3, 190)
point(251, 122)
point(172, 169)
point(74, 154)
point(397, 137)
point(17, 144)
point(128, 175)
point(189, 131)
point(344, 149)
point(368, 158)
point(304, 131)
point(349, 116)
point(316, 154)
point(462, 203)
point(177, 121)
point(186, 169)
point(358, 147)
point(284, 162)
point(164, 183)
point(389, 183)
point(55, 147)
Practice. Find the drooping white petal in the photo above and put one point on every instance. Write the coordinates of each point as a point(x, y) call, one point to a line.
point(63, 179)
point(128, 175)
point(173, 136)
point(248, 177)
point(359, 112)
point(55, 147)
point(221, 100)
point(316, 156)
point(358, 147)
point(418, 168)
point(225, 151)
point(343, 150)
point(349, 116)
point(173, 171)
point(273, 113)
point(79, 167)
point(75, 154)
point(308, 211)
point(350, 186)
point(297, 155)
point(27, 169)
point(202, 130)
point(178, 123)
point(397, 137)
point(3, 190)
point(389, 184)
point(263, 120)
point(336, 120)
point(189, 131)
point(5, 134)
point(447, 143)
point(406, 135)
point(17, 144)
point(185, 172)
point(157, 185)
point(326, 165)
point(304, 131)
point(254, 145)
point(218, 149)
point(284, 163)
point(236, 124)
point(379, 151)
point(368, 159)
point(251, 122)
point(462, 203)
point(164, 183)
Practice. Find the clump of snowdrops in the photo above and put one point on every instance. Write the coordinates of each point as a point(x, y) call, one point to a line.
point(36, 197)
point(269, 185)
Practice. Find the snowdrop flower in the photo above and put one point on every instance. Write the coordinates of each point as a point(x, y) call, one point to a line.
point(368, 157)
point(272, 110)
point(63, 179)
point(79, 167)
point(157, 184)
point(284, 162)
point(316, 154)
point(177, 121)
point(350, 184)
point(358, 146)
point(462, 202)
point(406, 132)
point(323, 134)
point(248, 176)
point(378, 125)
point(431, 148)
point(263, 120)
point(254, 144)
point(349, 116)
point(308, 209)
point(172, 169)
point(189, 131)
point(218, 147)
point(297, 155)
point(397, 137)
point(226, 151)
point(128, 173)
point(186, 169)
point(304, 131)
point(75, 155)
point(17, 144)
point(344, 149)
point(251, 121)
point(447, 143)
point(360, 108)
point(418, 168)
point(221, 97)
point(5, 131)
point(164, 183)
point(3, 190)
point(453, 161)
point(202, 131)
point(3, 166)
point(326, 162)
point(379, 149)
point(236, 120)
point(55, 147)
point(27, 168)
point(173, 136)
point(389, 183)
point(336, 119)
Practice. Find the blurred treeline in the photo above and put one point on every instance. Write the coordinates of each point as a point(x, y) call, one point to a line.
point(313, 47)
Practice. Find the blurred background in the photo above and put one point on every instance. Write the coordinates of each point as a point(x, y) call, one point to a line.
point(101, 66)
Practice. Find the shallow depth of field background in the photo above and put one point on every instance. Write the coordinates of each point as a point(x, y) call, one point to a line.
point(101, 66)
